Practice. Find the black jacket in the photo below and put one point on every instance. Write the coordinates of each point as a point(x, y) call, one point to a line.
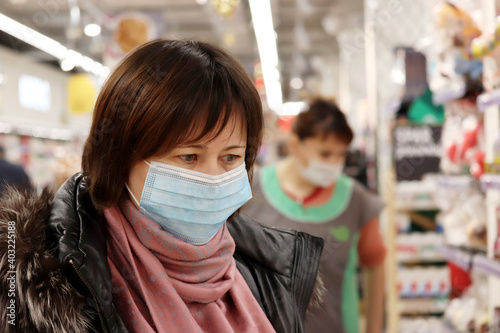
point(64, 283)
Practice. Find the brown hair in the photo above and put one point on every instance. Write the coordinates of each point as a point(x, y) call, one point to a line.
point(155, 100)
point(323, 118)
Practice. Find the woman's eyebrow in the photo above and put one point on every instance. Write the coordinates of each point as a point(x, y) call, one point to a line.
point(204, 147)
point(234, 147)
point(195, 147)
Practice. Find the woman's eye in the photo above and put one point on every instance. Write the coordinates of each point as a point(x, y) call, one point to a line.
point(325, 154)
point(188, 158)
point(230, 158)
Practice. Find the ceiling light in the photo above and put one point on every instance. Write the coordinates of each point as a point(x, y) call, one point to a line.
point(296, 83)
point(293, 108)
point(67, 65)
point(50, 46)
point(92, 29)
point(72, 58)
point(32, 37)
point(201, 2)
point(262, 19)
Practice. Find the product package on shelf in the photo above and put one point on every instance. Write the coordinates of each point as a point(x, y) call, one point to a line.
point(416, 195)
point(424, 282)
point(419, 247)
point(462, 139)
point(420, 325)
point(469, 313)
point(463, 212)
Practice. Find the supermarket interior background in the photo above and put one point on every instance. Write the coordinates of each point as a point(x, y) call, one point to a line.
point(419, 82)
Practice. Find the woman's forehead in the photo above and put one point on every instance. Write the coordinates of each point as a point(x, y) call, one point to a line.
point(234, 129)
point(329, 139)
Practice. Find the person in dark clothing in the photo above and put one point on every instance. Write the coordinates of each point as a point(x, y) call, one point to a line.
point(12, 174)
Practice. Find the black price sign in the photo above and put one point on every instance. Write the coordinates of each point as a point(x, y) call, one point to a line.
point(417, 151)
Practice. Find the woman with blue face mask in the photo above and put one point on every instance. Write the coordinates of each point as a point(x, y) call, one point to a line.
point(148, 238)
point(307, 191)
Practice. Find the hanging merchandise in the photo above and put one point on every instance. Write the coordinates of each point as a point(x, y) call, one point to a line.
point(469, 313)
point(457, 25)
point(464, 222)
point(458, 73)
point(81, 94)
point(462, 139)
point(225, 8)
point(129, 30)
point(486, 44)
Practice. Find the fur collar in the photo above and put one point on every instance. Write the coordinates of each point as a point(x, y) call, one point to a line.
point(45, 301)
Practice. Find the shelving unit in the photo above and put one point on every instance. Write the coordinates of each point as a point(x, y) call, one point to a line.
point(487, 266)
point(460, 258)
point(471, 260)
point(422, 306)
point(491, 183)
point(422, 261)
point(488, 103)
point(488, 99)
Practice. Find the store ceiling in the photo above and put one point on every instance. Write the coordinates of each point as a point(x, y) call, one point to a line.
point(306, 29)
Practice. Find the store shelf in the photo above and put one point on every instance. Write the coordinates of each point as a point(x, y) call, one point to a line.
point(455, 182)
point(457, 256)
point(402, 206)
point(38, 131)
point(485, 265)
point(422, 261)
point(412, 306)
point(490, 182)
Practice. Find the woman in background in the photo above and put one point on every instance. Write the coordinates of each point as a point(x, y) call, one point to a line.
point(307, 191)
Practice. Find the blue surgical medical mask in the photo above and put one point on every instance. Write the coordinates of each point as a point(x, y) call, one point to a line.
point(191, 205)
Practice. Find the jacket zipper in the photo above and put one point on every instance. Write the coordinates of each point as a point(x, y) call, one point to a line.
point(93, 294)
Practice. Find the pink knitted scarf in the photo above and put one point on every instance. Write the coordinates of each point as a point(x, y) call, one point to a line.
point(163, 284)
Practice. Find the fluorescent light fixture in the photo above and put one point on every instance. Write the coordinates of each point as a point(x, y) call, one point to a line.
point(50, 46)
point(292, 108)
point(67, 65)
point(201, 2)
point(92, 30)
point(32, 37)
point(265, 35)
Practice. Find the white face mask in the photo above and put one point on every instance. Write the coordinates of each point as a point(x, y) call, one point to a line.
point(320, 173)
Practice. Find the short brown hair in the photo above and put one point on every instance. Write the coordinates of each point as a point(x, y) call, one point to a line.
point(155, 100)
point(323, 118)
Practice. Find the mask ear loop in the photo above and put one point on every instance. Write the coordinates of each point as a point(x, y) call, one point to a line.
point(130, 192)
point(132, 195)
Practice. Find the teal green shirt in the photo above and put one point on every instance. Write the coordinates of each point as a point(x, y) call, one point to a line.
point(338, 221)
